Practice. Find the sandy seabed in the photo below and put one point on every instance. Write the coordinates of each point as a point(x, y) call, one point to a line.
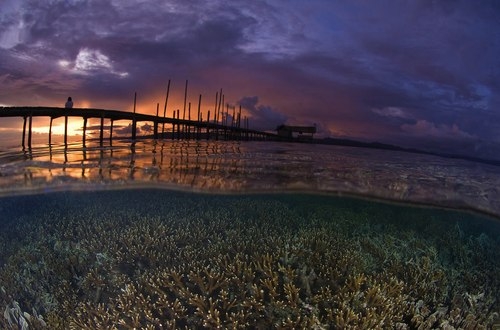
point(157, 259)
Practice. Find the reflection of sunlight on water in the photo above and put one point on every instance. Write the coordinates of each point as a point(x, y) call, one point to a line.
point(223, 166)
point(184, 163)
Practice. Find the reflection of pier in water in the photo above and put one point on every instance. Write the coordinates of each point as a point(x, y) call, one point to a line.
point(215, 127)
point(195, 164)
point(234, 166)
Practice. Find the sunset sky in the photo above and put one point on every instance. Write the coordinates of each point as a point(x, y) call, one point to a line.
point(416, 73)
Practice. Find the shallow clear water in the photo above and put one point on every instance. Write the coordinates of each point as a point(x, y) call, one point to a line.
point(237, 167)
point(190, 234)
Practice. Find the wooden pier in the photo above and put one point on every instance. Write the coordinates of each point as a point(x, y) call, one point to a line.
point(211, 128)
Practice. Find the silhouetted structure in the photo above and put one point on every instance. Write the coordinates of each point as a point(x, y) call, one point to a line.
point(296, 132)
point(181, 128)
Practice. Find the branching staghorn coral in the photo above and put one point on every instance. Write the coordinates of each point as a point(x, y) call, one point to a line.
point(255, 262)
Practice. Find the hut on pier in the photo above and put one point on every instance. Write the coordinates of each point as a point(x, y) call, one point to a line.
point(296, 132)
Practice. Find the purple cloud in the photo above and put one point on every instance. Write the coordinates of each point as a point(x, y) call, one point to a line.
point(378, 70)
point(262, 117)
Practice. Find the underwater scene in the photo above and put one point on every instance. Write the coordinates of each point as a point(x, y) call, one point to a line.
point(264, 235)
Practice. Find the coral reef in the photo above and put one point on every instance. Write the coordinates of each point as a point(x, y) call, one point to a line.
point(153, 259)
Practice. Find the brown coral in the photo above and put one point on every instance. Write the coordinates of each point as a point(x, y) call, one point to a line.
point(259, 261)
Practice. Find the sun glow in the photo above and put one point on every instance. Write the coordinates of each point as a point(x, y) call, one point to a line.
point(75, 127)
point(83, 104)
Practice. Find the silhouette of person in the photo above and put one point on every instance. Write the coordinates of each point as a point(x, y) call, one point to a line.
point(69, 103)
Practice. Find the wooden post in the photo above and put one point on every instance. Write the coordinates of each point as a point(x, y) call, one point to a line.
point(24, 130)
point(134, 122)
point(135, 100)
point(173, 125)
point(200, 121)
point(238, 124)
point(165, 107)
point(231, 132)
point(221, 103)
point(50, 131)
point(215, 108)
point(189, 118)
point(101, 133)
point(155, 129)
point(84, 152)
point(198, 128)
point(29, 129)
point(178, 125)
point(221, 98)
point(216, 111)
point(233, 117)
point(199, 107)
point(208, 124)
point(84, 129)
point(111, 131)
point(239, 117)
point(185, 98)
point(134, 128)
point(65, 130)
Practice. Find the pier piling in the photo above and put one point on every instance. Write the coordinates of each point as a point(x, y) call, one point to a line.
point(30, 129)
point(101, 132)
point(50, 131)
point(200, 127)
point(84, 135)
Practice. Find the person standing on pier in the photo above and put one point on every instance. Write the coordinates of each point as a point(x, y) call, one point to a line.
point(69, 103)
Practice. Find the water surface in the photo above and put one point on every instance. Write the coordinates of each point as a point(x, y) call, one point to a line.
point(205, 234)
point(221, 166)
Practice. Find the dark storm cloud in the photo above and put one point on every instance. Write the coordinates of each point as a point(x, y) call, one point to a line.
point(109, 49)
point(380, 70)
point(263, 117)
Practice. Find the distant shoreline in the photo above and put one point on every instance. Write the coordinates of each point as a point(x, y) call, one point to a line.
point(384, 146)
point(375, 145)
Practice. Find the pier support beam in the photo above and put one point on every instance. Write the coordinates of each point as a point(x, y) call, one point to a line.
point(155, 123)
point(208, 125)
point(178, 125)
point(134, 128)
point(194, 126)
point(134, 121)
point(24, 130)
point(50, 131)
point(111, 131)
point(101, 133)
point(65, 130)
point(173, 125)
point(84, 130)
point(29, 130)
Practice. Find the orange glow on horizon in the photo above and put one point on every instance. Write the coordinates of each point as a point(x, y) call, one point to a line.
point(84, 104)
point(75, 127)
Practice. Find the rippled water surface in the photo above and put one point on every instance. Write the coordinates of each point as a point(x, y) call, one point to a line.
point(237, 167)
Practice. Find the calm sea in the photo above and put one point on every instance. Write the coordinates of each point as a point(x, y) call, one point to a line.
point(205, 234)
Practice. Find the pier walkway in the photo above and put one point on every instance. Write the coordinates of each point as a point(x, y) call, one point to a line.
point(180, 128)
